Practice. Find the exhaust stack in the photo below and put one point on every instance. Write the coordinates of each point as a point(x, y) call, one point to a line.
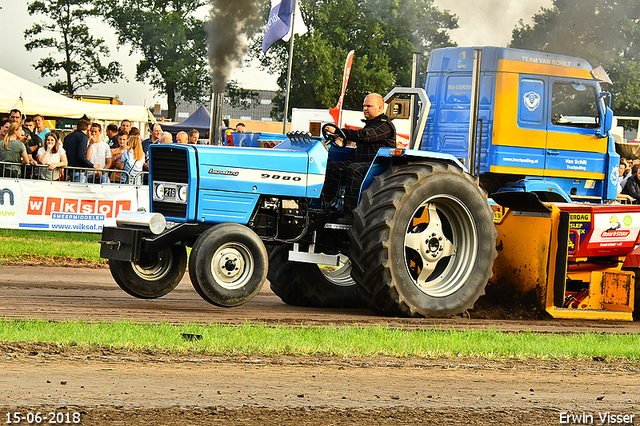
point(215, 131)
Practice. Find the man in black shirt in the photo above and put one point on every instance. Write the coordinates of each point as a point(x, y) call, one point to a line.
point(378, 132)
point(632, 184)
point(75, 145)
point(112, 135)
point(33, 141)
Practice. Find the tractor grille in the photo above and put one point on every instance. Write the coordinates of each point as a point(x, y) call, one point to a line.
point(170, 165)
point(170, 210)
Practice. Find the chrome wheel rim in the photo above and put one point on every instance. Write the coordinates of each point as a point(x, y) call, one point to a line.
point(155, 266)
point(340, 275)
point(441, 252)
point(232, 265)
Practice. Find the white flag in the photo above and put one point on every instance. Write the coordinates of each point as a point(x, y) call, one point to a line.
point(298, 23)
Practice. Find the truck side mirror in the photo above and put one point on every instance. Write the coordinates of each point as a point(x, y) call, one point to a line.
point(608, 116)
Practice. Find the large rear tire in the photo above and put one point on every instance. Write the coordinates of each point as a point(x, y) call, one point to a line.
point(155, 275)
point(309, 285)
point(228, 265)
point(423, 241)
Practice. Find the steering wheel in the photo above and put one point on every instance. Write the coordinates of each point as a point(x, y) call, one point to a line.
point(332, 137)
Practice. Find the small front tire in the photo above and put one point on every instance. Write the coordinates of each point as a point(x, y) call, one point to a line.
point(228, 265)
point(154, 275)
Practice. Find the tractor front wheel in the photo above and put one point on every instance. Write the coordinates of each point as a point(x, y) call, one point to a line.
point(154, 275)
point(228, 265)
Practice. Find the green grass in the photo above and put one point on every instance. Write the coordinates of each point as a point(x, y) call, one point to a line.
point(351, 341)
point(15, 243)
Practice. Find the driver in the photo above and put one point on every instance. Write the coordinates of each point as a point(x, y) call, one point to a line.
point(378, 132)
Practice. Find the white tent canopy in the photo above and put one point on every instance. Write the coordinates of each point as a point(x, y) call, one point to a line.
point(30, 99)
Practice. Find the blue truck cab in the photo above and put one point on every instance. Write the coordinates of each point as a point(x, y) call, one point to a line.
point(543, 123)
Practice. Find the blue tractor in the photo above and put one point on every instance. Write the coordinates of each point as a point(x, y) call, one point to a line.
point(422, 242)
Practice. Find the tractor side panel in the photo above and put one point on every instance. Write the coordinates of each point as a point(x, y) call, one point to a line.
point(225, 206)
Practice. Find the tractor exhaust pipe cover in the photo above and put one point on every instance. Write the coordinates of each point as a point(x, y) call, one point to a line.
point(151, 222)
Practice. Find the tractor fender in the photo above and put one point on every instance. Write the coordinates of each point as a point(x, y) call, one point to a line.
point(387, 157)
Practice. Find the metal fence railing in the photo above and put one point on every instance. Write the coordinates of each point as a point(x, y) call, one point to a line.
point(71, 174)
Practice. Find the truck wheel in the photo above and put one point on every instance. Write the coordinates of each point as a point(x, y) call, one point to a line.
point(307, 284)
point(155, 275)
point(423, 241)
point(228, 265)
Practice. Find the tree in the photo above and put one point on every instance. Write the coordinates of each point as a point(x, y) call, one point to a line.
point(604, 32)
point(172, 40)
point(384, 35)
point(67, 34)
point(240, 97)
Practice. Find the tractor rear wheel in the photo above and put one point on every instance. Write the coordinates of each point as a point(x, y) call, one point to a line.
point(154, 275)
point(312, 285)
point(423, 241)
point(228, 265)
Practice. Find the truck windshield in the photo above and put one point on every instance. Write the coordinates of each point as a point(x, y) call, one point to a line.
point(575, 105)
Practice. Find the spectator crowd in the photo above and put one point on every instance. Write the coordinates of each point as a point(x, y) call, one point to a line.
point(629, 181)
point(29, 149)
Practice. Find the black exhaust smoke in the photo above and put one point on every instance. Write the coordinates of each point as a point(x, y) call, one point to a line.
point(231, 24)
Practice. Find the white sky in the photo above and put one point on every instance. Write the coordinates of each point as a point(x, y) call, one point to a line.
point(489, 22)
point(482, 22)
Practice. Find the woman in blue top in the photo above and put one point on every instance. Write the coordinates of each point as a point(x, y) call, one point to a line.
point(133, 159)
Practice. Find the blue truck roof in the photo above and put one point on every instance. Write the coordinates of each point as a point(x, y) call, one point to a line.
point(450, 59)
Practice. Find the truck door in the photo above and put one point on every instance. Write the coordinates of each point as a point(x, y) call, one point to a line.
point(520, 124)
point(574, 148)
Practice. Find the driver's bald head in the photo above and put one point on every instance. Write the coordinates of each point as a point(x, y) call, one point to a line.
point(372, 106)
point(375, 99)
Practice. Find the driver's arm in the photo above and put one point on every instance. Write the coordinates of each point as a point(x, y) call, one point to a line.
point(376, 133)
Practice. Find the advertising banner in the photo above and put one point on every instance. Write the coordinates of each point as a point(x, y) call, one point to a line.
point(615, 230)
point(62, 206)
point(336, 112)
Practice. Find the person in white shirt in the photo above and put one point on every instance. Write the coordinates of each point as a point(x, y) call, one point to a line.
point(99, 153)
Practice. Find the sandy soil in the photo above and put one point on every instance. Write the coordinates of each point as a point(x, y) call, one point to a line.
point(111, 387)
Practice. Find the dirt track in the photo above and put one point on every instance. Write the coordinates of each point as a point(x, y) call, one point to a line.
point(91, 294)
point(118, 387)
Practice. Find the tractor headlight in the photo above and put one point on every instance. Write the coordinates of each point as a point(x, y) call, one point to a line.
point(182, 193)
point(158, 191)
point(170, 192)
